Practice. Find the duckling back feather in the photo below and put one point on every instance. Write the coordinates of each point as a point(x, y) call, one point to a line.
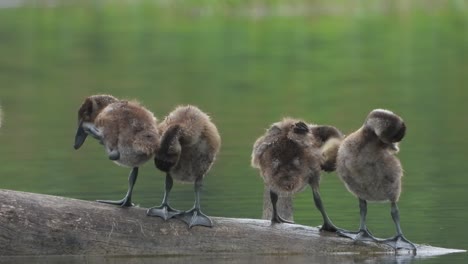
point(131, 129)
point(189, 144)
point(285, 156)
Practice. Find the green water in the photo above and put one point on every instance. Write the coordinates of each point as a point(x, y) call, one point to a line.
point(247, 64)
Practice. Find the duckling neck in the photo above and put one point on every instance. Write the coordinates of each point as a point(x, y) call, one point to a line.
point(170, 138)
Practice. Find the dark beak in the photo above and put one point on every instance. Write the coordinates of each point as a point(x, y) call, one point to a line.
point(80, 136)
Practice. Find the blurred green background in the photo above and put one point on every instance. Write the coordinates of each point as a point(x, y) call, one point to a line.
point(247, 64)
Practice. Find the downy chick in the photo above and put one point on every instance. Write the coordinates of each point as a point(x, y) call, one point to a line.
point(127, 130)
point(367, 165)
point(291, 155)
point(189, 145)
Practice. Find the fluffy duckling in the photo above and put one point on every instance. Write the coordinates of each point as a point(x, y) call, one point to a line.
point(127, 130)
point(189, 145)
point(292, 154)
point(366, 163)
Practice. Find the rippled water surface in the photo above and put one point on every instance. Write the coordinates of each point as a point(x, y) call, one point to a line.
point(247, 64)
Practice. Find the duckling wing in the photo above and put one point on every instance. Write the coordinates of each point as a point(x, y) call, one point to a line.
point(259, 148)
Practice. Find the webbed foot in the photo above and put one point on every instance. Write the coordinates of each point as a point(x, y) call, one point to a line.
point(125, 202)
point(329, 227)
point(276, 219)
point(399, 242)
point(195, 217)
point(164, 211)
point(361, 235)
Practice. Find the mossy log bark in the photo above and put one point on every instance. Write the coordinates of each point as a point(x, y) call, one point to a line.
point(36, 224)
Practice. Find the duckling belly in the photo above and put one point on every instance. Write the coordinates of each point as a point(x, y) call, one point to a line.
point(371, 184)
point(192, 164)
point(132, 158)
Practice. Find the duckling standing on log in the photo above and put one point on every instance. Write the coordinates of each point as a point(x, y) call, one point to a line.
point(127, 130)
point(292, 154)
point(189, 145)
point(366, 163)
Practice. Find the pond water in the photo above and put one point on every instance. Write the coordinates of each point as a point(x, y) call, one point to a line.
point(247, 64)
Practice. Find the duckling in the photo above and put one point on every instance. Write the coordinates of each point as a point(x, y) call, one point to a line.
point(292, 154)
point(189, 145)
point(367, 165)
point(127, 130)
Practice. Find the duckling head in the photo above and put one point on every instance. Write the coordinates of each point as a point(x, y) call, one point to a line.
point(88, 112)
point(389, 127)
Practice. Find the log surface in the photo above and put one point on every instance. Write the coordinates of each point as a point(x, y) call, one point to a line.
point(36, 224)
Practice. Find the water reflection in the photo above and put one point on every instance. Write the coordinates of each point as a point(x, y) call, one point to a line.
point(241, 259)
point(234, 259)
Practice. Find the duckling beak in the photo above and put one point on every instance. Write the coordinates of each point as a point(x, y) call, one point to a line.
point(80, 136)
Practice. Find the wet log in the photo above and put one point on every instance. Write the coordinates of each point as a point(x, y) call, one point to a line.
point(36, 224)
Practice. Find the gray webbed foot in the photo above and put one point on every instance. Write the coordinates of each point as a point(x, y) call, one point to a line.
point(195, 217)
point(276, 219)
point(361, 235)
point(399, 242)
point(329, 227)
point(164, 211)
point(125, 202)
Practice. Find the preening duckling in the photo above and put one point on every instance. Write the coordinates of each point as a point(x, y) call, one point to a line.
point(189, 145)
point(127, 130)
point(291, 155)
point(366, 163)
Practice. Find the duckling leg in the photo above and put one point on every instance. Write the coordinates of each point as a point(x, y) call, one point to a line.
point(127, 200)
point(327, 223)
point(363, 234)
point(164, 210)
point(275, 218)
point(399, 241)
point(195, 216)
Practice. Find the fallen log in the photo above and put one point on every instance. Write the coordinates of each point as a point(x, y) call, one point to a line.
point(36, 224)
